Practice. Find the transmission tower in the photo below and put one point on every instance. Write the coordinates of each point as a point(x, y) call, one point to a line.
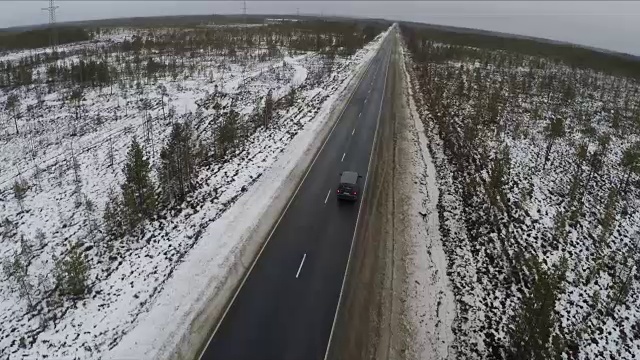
point(53, 35)
point(245, 39)
point(244, 12)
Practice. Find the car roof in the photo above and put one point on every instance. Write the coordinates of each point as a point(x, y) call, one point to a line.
point(349, 177)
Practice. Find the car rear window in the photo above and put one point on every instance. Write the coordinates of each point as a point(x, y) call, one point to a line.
point(347, 187)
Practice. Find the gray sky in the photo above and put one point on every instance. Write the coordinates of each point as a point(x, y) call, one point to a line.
point(613, 25)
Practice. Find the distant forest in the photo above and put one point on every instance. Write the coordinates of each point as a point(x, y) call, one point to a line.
point(37, 38)
point(572, 55)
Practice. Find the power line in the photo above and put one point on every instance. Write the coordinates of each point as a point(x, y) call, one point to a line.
point(53, 35)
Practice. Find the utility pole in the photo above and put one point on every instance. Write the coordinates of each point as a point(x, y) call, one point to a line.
point(53, 35)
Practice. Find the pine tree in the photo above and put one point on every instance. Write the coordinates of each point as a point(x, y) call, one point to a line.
point(560, 226)
point(163, 93)
point(12, 105)
point(89, 209)
point(596, 161)
point(110, 155)
point(534, 335)
point(616, 119)
point(609, 214)
point(622, 280)
point(268, 109)
point(498, 178)
point(20, 188)
point(76, 97)
point(630, 162)
point(71, 273)
point(40, 237)
point(553, 131)
point(16, 269)
point(138, 190)
point(227, 135)
point(9, 228)
point(113, 219)
point(292, 96)
point(582, 153)
point(178, 159)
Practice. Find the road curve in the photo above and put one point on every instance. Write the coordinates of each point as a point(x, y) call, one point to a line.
point(285, 308)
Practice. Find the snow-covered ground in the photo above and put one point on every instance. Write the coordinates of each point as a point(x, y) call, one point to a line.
point(145, 293)
point(430, 307)
point(502, 207)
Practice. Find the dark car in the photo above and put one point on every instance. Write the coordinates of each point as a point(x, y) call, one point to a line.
point(349, 188)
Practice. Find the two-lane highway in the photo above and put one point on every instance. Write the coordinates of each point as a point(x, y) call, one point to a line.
point(286, 306)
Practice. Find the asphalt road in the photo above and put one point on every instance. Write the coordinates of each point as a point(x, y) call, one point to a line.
point(286, 307)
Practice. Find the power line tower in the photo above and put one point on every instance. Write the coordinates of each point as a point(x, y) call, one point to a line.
point(244, 39)
point(244, 12)
point(53, 35)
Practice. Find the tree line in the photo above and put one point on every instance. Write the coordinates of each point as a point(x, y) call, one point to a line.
point(39, 38)
point(572, 55)
point(141, 197)
point(165, 51)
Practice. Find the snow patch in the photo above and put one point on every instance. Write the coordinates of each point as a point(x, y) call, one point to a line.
point(431, 304)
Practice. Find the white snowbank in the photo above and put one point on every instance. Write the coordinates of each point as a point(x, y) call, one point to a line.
point(431, 303)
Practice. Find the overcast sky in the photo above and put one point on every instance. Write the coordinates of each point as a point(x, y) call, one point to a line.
point(613, 25)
